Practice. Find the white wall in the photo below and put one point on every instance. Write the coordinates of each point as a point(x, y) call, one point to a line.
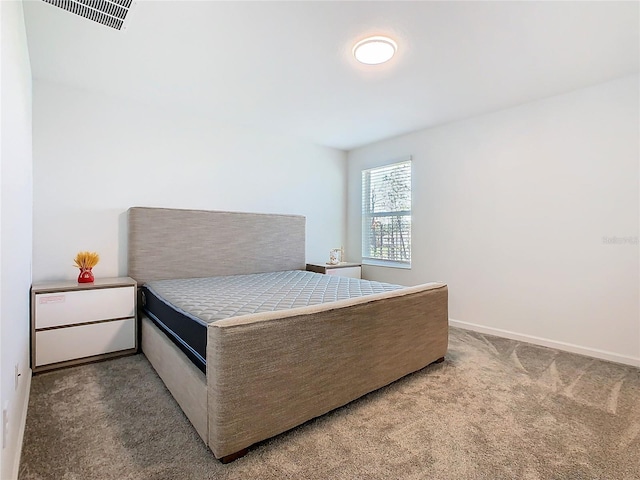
point(94, 157)
point(512, 208)
point(15, 227)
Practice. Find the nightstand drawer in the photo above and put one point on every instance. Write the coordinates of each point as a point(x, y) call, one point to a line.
point(351, 272)
point(344, 269)
point(68, 308)
point(60, 344)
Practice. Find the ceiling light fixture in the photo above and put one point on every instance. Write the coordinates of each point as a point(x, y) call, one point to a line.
point(374, 50)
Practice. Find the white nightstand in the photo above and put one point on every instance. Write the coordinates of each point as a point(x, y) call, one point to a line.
point(345, 269)
point(74, 323)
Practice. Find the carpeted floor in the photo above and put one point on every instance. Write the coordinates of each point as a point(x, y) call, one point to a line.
point(495, 409)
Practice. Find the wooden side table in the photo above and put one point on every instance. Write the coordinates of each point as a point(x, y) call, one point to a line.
point(344, 269)
point(74, 323)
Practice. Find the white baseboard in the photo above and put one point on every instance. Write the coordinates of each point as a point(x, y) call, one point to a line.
point(545, 342)
point(23, 424)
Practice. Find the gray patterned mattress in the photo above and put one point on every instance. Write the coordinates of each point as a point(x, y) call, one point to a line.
point(184, 307)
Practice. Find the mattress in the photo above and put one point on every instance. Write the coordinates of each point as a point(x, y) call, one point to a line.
point(183, 308)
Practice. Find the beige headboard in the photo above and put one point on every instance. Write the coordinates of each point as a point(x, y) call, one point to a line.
point(174, 243)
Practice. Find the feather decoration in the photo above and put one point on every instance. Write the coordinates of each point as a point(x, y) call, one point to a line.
point(85, 260)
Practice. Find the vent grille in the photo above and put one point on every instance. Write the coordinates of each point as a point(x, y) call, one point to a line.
point(111, 13)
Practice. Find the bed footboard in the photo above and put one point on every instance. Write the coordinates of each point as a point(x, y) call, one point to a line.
point(276, 370)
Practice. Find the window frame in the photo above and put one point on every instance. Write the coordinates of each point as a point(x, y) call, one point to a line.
point(367, 216)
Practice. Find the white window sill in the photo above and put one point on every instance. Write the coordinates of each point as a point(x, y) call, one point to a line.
point(386, 263)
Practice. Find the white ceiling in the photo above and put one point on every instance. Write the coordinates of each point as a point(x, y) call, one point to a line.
point(286, 67)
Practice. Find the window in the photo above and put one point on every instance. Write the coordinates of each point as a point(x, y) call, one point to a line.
point(386, 215)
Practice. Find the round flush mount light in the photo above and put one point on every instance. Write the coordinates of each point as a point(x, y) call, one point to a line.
point(374, 50)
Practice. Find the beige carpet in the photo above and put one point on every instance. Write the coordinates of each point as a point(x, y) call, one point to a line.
point(495, 409)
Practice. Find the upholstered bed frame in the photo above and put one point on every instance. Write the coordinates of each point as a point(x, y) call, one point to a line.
point(269, 372)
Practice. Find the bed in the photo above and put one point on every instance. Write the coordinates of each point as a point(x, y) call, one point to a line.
point(270, 371)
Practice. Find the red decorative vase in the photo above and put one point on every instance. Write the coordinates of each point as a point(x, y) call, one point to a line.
point(86, 276)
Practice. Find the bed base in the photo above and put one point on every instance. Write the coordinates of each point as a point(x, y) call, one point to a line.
point(234, 456)
point(187, 384)
point(295, 366)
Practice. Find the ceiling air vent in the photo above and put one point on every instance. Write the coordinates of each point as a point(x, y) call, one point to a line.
point(111, 13)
